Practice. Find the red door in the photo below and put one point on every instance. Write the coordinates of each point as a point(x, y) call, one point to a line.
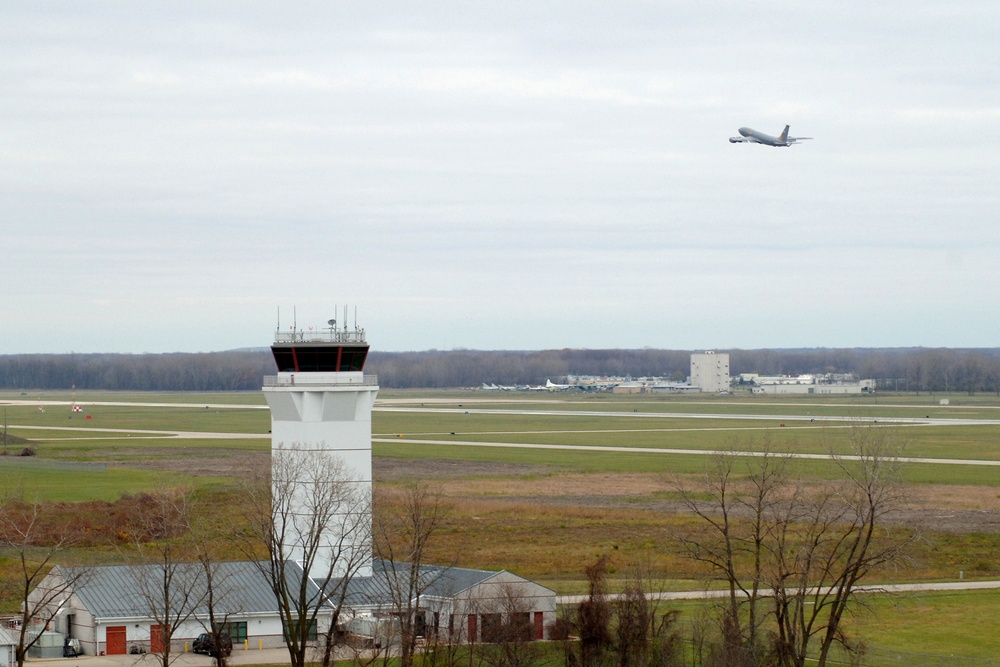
point(156, 635)
point(472, 628)
point(539, 625)
point(116, 640)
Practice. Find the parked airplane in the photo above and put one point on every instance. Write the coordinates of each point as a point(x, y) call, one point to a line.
point(748, 135)
point(502, 387)
point(552, 386)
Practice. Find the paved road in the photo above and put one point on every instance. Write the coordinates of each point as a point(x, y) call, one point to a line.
point(909, 421)
point(872, 588)
point(266, 656)
point(665, 451)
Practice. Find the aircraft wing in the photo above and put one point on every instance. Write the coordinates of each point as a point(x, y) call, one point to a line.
point(794, 139)
point(738, 140)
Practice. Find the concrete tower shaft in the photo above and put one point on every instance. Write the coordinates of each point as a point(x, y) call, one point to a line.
point(321, 403)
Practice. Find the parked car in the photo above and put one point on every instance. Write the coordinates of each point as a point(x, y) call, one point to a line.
point(205, 643)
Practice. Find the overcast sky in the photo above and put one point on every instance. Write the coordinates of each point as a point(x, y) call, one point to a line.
point(499, 175)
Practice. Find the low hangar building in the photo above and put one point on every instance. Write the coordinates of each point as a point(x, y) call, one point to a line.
point(110, 610)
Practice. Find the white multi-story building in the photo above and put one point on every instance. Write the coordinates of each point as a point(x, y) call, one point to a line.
point(710, 371)
point(321, 402)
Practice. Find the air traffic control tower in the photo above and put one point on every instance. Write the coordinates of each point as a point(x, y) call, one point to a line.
point(321, 401)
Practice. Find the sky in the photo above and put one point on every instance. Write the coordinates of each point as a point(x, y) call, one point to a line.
point(498, 175)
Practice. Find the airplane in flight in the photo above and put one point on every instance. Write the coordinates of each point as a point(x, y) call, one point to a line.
point(748, 135)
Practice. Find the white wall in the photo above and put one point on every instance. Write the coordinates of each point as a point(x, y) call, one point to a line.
point(710, 371)
point(264, 630)
point(6, 655)
point(328, 412)
point(499, 594)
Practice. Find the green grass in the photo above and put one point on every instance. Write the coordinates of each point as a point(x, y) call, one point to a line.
point(627, 430)
point(85, 442)
point(50, 481)
point(598, 461)
point(935, 622)
point(193, 397)
point(913, 628)
point(98, 448)
point(237, 419)
point(861, 407)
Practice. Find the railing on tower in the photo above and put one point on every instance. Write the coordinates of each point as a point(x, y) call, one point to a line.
point(321, 336)
point(328, 379)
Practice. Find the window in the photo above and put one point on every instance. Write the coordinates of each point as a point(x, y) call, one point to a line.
point(237, 631)
point(310, 635)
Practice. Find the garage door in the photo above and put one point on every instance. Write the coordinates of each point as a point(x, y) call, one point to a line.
point(116, 640)
point(156, 636)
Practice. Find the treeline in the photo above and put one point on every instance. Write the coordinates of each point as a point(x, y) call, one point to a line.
point(900, 369)
point(239, 370)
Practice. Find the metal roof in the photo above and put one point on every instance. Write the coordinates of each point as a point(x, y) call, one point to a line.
point(389, 576)
point(126, 591)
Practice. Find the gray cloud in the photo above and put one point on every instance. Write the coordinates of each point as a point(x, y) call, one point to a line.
point(515, 176)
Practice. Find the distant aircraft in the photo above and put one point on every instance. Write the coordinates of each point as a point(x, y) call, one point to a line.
point(552, 386)
point(748, 135)
point(501, 387)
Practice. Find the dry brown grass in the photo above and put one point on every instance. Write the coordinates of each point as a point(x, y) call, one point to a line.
point(549, 525)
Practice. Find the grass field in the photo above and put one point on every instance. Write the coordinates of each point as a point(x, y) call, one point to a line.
point(545, 513)
point(64, 482)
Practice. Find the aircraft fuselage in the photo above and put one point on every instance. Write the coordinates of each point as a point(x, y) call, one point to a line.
point(760, 138)
point(752, 136)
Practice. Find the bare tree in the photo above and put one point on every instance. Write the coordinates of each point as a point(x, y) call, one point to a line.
point(444, 648)
point(337, 590)
point(35, 546)
point(404, 522)
point(803, 546)
point(825, 543)
point(172, 588)
point(311, 515)
point(507, 636)
point(223, 599)
point(745, 495)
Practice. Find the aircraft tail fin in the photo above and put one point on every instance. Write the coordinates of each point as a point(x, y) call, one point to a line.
point(784, 134)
